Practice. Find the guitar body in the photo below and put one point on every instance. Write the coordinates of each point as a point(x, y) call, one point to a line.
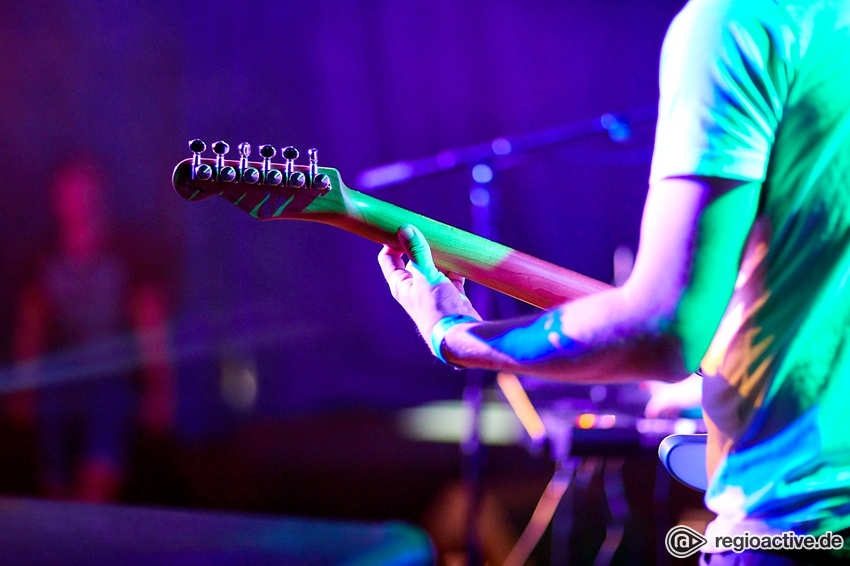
point(684, 457)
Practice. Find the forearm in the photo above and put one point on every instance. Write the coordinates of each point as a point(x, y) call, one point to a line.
point(603, 338)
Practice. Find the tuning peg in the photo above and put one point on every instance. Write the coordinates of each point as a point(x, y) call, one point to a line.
point(224, 173)
point(322, 182)
point(297, 180)
point(289, 153)
point(271, 176)
point(220, 148)
point(246, 174)
point(227, 174)
point(294, 179)
point(200, 171)
point(317, 180)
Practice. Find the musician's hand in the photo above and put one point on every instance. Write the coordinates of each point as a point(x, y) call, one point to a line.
point(670, 400)
point(425, 292)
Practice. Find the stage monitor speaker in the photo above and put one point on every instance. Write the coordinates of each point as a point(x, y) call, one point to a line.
point(48, 532)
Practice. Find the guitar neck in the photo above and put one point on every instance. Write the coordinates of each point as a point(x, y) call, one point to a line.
point(529, 279)
point(493, 265)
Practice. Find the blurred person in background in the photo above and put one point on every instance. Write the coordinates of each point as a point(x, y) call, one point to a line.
point(97, 331)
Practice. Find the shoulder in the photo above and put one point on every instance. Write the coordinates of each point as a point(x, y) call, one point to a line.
point(697, 12)
point(725, 23)
point(747, 49)
point(726, 67)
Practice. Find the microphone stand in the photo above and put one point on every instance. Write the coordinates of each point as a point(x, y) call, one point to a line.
point(477, 380)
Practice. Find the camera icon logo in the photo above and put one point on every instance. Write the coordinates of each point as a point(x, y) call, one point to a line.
point(682, 541)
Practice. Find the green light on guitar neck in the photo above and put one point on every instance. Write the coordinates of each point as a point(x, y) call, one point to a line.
point(279, 211)
point(259, 206)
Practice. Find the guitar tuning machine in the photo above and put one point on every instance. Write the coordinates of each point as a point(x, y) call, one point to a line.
point(224, 173)
point(271, 176)
point(294, 179)
point(200, 171)
point(247, 174)
point(317, 180)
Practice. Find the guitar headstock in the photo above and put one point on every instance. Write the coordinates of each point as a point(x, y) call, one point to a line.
point(265, 190)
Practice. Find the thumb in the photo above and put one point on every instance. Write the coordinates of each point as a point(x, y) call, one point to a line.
point(417, 248)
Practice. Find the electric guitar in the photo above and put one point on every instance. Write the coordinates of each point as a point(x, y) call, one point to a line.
point(267, 191)
point(317, 194)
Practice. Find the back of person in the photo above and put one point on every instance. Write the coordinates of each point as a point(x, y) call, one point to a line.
point(778, 371)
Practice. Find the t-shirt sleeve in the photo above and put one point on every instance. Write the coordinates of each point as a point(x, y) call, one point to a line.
point(725, 74)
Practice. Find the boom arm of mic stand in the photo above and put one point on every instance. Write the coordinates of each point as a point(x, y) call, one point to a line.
point(617, 126)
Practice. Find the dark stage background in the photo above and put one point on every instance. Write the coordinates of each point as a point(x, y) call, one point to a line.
point(303, 306)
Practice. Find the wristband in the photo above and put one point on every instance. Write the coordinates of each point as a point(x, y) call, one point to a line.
point(438, 334)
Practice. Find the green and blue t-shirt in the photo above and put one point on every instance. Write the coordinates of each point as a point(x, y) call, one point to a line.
point(759, 90)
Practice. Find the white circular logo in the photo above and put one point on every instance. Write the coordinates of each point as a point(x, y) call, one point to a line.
point(682, 541)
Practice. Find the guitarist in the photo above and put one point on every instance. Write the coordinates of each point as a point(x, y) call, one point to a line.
point(741, 271)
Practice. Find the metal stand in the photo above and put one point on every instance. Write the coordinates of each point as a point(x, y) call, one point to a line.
point(566, 467)
point(543, 513)
point(477, 380)
point(586, 475)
